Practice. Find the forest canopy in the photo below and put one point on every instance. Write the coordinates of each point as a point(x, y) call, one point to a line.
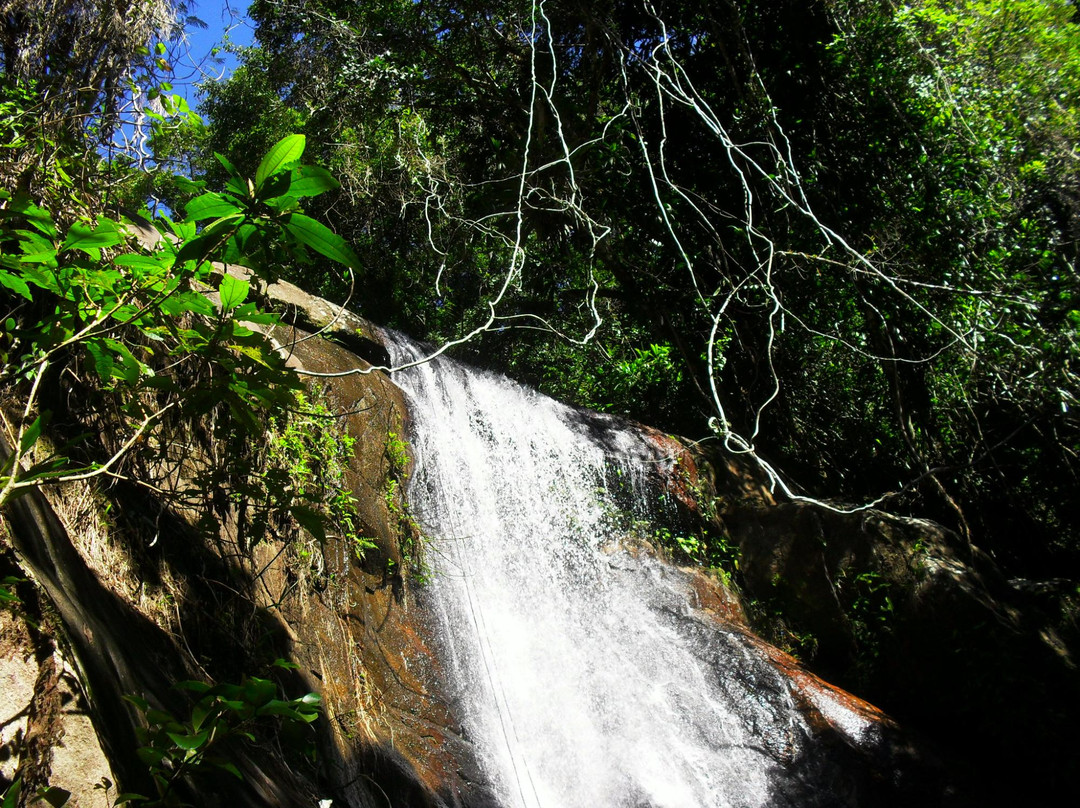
point(841, 235)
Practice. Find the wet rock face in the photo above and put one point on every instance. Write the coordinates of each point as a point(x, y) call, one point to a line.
point(903, 612)
point(846, 753)
point(363, 640)
point(362, 633)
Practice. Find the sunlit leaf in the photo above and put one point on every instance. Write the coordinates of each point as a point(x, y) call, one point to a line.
point(232, 291)
point(82, 237)
point(54, 795)
point(189, 742)
point(321, 239)
point(312, 180)
point(287, 150)
point(210, 206)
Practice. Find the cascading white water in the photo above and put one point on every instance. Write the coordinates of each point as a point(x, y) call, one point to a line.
point(576, 668)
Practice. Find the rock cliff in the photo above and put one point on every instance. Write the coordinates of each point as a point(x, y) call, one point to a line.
point(132, 593)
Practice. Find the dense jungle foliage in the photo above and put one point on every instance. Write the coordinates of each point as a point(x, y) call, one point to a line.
point(839, 235)
point(842, 234)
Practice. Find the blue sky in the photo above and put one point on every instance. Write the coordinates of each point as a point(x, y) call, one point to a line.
point(198, 64)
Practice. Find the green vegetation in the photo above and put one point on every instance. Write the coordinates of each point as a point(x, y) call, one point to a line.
point(840, 234)
point(305, 475)
point(220, 715)
point(856, 220)
point(410, 537)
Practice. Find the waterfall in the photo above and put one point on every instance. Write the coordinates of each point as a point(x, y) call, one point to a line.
point(577, 667)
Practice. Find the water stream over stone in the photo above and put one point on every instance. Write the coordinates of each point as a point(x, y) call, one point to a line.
point(576, 667)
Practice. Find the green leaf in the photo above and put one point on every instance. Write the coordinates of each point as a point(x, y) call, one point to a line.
point(82, 237)
point(210, 206)
point(227, 165)
point(249, 313)
point(276, 185)
point(139, 702)
point(11, 796)
point(189, 742)
point(55, 796)
point(312, 521)
point(15, 284)
point(258, 691)
point(199, 248)
point(41, 219)
point(100, 359)
point(287, 150)
point(143, 262)
point(198, 714)
point(31, 435)
point(321, 239)
point(193, 686)
point(229, 767)
point(129, 796)
point(187, 301)
point(232, 291)
point(311, 181)
point(281, 708)
point(7, 594)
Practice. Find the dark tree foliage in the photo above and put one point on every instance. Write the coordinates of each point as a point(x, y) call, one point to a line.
point(869, 213)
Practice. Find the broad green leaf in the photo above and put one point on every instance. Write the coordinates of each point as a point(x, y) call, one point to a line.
point(42, 220)
point(146, 262)
point(199, 248)
point(33, 243)
point(100, 359)
point(82, 237)
point(42, 277)
point(227, 165)
point(287, 150)
point(190, 186)
point(282, 708)
point(187, 301)
point(222, 225)
point(129, 796)
point(276, 185)
point(189, 742)
point(311, 181)
point(15, 284)
point(11, 796)
point(321, 239)
point(210, 206)
point(312, 521)
point(229, 767)
point(139, 702)
point(232, 291)
point(193, 686)
point(56, 797)
point(33, 432)
point(198, 714)
point(161, 717)
point(249, 313)
point(243, 246)
point(130, 368)
point(259, 691)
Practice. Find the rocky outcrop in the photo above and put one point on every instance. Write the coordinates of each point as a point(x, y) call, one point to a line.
point(906, 614)
point(144, 596)
point(141, 594)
